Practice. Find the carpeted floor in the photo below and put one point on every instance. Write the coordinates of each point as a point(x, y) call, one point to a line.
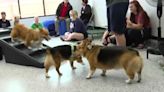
point(16, 78)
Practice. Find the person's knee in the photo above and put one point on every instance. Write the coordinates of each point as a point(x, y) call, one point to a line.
point(78, 36)
point(57, 21)
point(67, 20)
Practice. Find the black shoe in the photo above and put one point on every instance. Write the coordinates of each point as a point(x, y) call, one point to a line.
point(133, 45)
point(62, 38)
point(56, 35)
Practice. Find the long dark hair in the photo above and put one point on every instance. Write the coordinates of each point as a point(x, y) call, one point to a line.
point(85, 1)
point(139, 10)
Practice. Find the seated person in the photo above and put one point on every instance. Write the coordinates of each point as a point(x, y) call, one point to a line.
point(16, 20)
point(78, 30)
point(62, 13)
point(36, 24)
point(86, 12)
point(138, 26)
point(3, 22)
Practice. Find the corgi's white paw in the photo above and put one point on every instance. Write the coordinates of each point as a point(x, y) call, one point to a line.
point(47, 76)
point(129, 81)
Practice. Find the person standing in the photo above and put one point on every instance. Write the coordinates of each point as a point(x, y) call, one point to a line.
point(116, 16)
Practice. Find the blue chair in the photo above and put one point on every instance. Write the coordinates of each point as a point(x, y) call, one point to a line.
point(50, 25)
point(62, 27)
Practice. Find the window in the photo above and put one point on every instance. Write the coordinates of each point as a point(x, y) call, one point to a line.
point(28, 8)
point(10, 7)
point(31, 8)
point(51, 6)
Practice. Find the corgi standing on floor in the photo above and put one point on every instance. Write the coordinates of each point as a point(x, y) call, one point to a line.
point(113, 57)
point(56, 55)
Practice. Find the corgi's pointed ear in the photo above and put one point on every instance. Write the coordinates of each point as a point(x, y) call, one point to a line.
point(89, 47)
point(78, 43)
point(89, 39)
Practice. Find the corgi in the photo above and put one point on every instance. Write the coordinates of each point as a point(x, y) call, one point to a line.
point(55, 56)
point(111, 57)
point(28, 36)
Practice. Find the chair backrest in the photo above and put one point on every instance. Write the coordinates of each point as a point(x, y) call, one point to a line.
point(91, 20)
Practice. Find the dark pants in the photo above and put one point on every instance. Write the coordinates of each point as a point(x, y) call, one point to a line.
point(116, 15)
point(137, 36)
point(1, 55)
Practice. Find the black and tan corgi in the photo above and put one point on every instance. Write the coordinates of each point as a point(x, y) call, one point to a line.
point(113, 57)
point(56, 55)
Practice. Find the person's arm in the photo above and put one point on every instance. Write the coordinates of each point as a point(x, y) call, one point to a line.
point(88, 10)
point(33, 26)
point(58, 11)
point(70, 8)
point(138, 25)
point(40, 26)
point(77, 27)
point(0, 24)
point(8, 24)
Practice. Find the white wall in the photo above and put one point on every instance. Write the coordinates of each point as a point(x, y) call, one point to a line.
point(153, 16)
point(99, 10)
point(28, 22)
point(76, 4)
point(99, 7)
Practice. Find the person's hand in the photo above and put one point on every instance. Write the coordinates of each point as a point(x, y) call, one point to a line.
point(62, 18)
point(106, 40)
point(129, 23)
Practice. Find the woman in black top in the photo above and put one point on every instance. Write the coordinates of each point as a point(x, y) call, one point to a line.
point(3, 22)
point(86, 12)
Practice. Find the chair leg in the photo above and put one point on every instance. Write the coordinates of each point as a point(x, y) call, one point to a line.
point(1, 54)
point(147, 54)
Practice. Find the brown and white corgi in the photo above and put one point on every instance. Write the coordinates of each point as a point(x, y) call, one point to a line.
point(111, 57)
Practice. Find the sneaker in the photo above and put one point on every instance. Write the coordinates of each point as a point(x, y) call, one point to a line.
point(62, 38)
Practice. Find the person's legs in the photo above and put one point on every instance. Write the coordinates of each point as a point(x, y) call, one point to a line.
point(118, 22)
point(120, 39)
point(57, 26)
point(75, 36)
point(146, 34)
point(67, 24)
point(135, 36)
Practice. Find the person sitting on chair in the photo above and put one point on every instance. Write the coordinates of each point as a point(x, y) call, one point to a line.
point(36, 24)
point(62, 13)
point(138, 26)
point(16, 20)
point(77, 31)
point(86, 12)
point(4, 23)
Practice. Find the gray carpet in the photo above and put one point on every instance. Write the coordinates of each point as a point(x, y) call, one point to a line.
point(16, 78)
